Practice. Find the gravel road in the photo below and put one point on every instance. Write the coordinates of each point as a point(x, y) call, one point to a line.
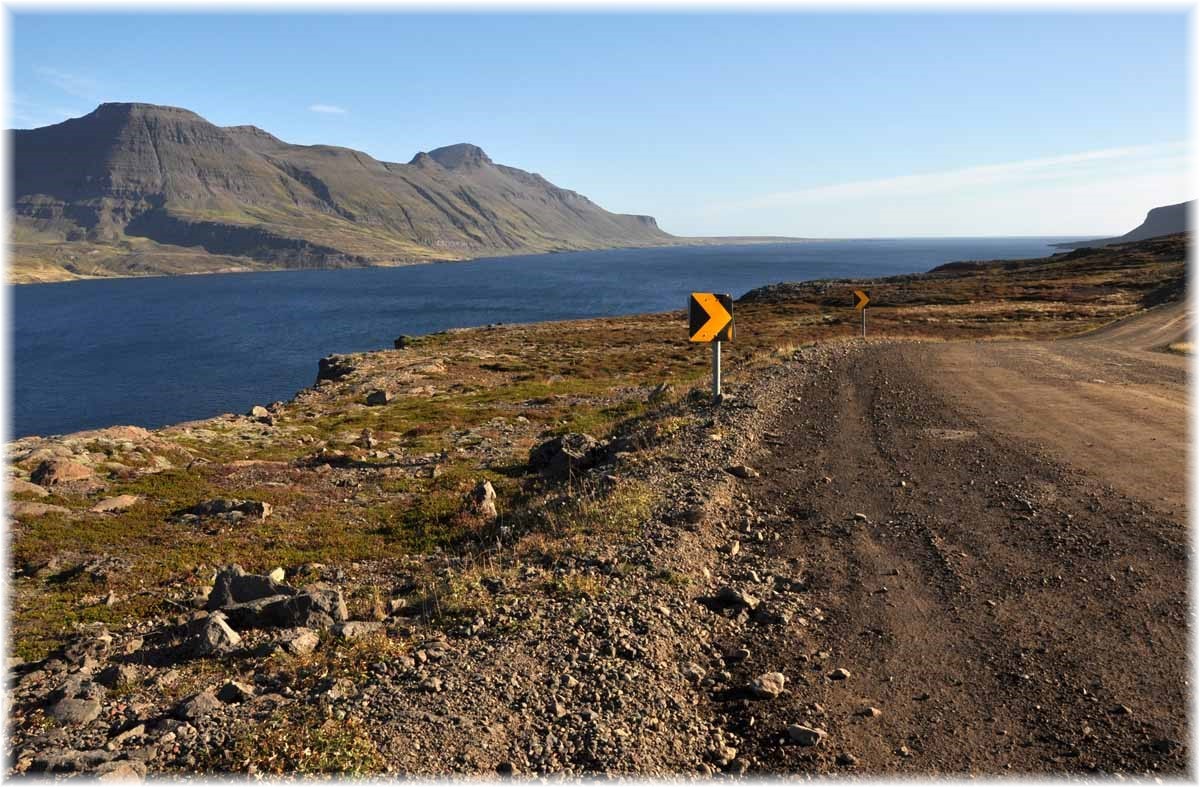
point(997, 543)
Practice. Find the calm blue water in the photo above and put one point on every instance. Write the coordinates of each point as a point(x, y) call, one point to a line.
point(161, 350)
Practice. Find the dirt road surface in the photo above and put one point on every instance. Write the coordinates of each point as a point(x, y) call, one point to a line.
point(1111, 403)
point(994, 539)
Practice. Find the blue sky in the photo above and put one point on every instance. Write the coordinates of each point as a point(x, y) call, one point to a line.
point(826, 125)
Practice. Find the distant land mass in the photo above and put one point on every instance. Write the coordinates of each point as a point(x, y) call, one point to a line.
point(141, 189)
point(1165, 220)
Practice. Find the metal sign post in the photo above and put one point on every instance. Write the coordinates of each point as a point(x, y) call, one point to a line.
point(710, 319)
point(716, 386)
point(862, 298)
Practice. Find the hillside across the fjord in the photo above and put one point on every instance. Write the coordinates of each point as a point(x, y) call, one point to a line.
point(135, 189)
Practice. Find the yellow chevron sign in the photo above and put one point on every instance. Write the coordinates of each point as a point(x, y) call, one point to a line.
point(863, 300)
point(710, 317)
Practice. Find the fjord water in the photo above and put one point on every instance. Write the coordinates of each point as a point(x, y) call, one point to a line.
point(155, 351)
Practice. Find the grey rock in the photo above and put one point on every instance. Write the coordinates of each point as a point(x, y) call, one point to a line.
point(234, 586)
point(70, 710)
point(117, 675)
point(23, 509)
point(231, 507)
point(234, 691)
point(214, 637)
point(742, 471)
point(357, 629)
point(121, 771)
point(482, 501)
point(300, 641)
point(732, 597)
point(334, 367)
point(378, 397)
point(54, 472)
point(317, 606)
point(119, 740)
point(565, 454)
point(115, 504)
point(769, 685)
point(198, 706)
point(19, 486)
point(805, 736)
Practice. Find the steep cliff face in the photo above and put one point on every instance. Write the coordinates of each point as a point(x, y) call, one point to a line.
point(1165, 220)
point(167, 175)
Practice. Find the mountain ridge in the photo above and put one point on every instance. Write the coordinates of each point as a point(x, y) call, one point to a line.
point(134, 188)
point(1160, 221)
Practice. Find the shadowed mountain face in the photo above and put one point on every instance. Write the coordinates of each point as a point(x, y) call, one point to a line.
point(1167, 220)
point(162, 183)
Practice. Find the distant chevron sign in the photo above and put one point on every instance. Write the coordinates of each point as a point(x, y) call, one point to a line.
point(710, 317)
point(862, 298)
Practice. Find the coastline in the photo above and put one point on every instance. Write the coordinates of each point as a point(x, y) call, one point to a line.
point(497, 254)
point(363, 481)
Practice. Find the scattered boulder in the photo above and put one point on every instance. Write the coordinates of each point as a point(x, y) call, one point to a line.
point(234, 586)
point(482, 501)
point(299, 641)
point(378, 397)
point(93, 645)
point(742, 471)
point(198, 706)
point(73, 710)
point(317, 606)
point(233, 692)
point(24, 508)
point(401, 342)
point(118, 503)
point(660, 392)
point(19, 486)
point(55, 472)
point(334, 367)
point(839, 674)
point(121, 771)
point(258, 411)
point(231, 509)
point(214, 637)
point(805, 736)
point(565, 454)
point(357, 629)
point(117, 675)
point(768, 686)
point(732, 597)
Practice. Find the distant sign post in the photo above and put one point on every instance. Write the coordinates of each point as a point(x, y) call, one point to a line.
point(710, 319)
point(861, 299)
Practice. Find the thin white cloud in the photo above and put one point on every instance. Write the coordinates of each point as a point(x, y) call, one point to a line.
point(27, 114)
point(327, 109)
point(1053, 168)
point(71, 84)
